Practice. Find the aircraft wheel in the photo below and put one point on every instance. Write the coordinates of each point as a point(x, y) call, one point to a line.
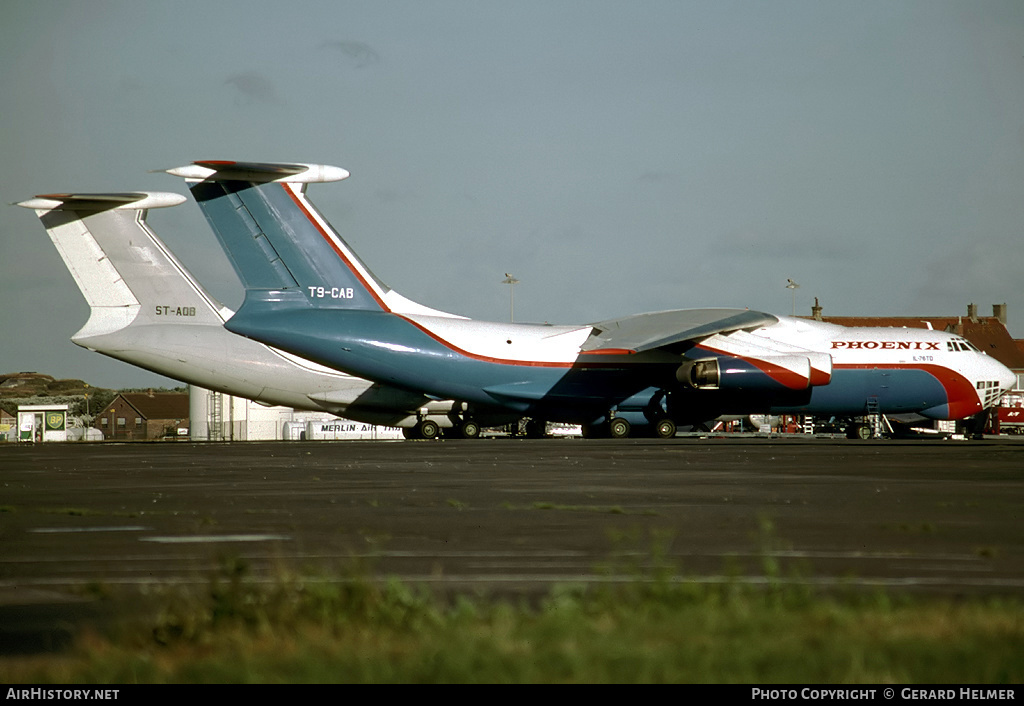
point(410, 433)
point(428, 429)
point(665, 429)
point(469, 429)
point(618, 428)
point(858, 431)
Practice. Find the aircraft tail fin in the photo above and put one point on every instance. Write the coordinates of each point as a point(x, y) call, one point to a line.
point(282, 248)
point(125, 272)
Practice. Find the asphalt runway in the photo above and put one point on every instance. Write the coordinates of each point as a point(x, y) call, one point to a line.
point(500, 516)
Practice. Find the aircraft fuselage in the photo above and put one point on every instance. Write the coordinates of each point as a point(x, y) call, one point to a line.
point(541, 370)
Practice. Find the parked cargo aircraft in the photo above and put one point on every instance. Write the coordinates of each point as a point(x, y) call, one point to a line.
point(308, 293)
point(148, 310)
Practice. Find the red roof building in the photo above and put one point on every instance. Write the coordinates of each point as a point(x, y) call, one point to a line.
point(149, 415)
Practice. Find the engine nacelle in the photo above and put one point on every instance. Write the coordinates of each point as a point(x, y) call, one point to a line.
point(699, 374)
point(767, 373)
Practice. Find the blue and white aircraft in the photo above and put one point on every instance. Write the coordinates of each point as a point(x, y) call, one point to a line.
point(308, 293)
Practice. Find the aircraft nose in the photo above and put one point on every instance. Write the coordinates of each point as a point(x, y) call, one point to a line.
point(1007, 379)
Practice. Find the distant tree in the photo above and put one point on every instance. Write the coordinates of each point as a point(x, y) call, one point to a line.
point(180, 389)
point(99, 398)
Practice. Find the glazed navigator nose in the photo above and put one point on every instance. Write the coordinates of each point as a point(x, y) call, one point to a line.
point(1007, 379)
point(995, 382)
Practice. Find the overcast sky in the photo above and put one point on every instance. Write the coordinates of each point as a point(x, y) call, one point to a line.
point(616, 157)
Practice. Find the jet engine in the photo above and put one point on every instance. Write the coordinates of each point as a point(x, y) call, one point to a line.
point(765, 373)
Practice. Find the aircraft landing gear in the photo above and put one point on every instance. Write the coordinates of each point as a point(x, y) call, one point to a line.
point(664, 429)
point(618, 428)
point(468, 429)
point(428, 429)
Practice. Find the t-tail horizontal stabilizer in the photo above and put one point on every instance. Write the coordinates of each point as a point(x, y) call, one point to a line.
point(259, 172)
point(95, 203)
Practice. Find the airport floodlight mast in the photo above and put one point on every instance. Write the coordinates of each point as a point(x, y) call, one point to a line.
point(793, 286)
point(511, 282)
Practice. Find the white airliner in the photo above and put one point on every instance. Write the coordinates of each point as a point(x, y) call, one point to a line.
point(307, 292)
point(146, 309)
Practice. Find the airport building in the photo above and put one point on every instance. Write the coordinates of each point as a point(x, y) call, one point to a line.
point(199, 415)
point(217, 416)
point(43, 422)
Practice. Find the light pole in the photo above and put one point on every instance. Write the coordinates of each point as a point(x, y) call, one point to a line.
point(793, 286)
point(511, 282)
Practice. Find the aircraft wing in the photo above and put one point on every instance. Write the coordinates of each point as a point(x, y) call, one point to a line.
point(668, 329)
point(726, 332)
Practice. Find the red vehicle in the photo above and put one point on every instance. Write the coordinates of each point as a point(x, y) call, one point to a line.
point(1011, 420)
